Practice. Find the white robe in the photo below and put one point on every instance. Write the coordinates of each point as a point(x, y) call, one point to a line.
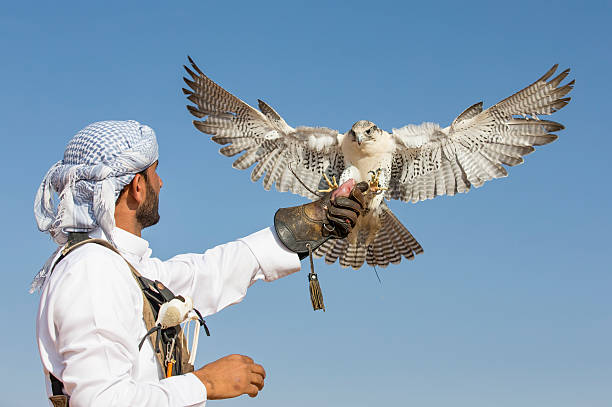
point(90, 315)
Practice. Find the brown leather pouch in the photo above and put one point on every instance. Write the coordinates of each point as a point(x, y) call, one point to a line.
point(59, 401)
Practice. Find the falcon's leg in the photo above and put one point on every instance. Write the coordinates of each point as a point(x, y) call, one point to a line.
point(375, 182)
point(332, 185)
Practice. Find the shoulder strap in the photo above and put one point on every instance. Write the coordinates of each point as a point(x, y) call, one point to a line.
point(69, 248)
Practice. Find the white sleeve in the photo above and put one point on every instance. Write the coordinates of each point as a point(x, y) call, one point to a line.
point(97, 313)
point(220, 276)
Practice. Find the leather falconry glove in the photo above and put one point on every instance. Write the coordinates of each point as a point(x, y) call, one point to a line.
point(316, 222)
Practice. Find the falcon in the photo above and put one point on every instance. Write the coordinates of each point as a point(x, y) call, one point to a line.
point(411, 164)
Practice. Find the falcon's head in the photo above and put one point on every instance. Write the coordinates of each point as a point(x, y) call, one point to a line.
point(364, 131)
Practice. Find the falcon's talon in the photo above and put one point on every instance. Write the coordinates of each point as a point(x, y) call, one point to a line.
point(332, 185)
point(374, 183)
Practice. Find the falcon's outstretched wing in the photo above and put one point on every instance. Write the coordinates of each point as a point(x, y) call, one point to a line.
point(265, 138)
point(431, 161)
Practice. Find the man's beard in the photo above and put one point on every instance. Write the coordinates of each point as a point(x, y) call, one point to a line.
point(147, 214)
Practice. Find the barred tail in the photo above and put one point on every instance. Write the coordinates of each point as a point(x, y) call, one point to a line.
point(392, 241)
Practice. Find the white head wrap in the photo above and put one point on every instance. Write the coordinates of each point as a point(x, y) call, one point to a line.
point(98, 162)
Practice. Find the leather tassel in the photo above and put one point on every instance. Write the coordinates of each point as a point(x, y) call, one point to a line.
point(316, 296)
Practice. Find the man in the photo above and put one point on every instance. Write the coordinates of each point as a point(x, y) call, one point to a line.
point(90, 319)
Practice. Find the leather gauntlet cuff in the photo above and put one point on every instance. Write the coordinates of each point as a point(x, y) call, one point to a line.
point(318, 221)
point(296, 227)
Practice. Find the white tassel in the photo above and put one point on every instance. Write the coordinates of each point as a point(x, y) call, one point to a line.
point(104, 207)
point(40, 278)
point(44, 209)
point(65, 211)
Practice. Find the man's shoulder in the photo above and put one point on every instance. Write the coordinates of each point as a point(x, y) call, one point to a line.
point(91, 278)
point(91, 258)
point(90, 269)
point(91, 252)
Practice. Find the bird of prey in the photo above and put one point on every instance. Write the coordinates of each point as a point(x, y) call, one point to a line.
point(413, 163)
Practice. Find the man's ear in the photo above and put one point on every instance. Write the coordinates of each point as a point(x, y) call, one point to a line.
point(138, 188)
point(134, 193)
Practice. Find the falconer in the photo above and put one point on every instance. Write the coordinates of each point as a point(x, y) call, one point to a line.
point(95, 287)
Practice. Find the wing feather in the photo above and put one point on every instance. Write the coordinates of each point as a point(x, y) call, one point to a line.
point(264, 165)
point(473, 148)
point(263, 138)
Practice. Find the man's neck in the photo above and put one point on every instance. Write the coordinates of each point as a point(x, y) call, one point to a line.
point(129, 224)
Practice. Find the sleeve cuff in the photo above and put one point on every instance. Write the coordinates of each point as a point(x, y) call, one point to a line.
point(274, 259)
point(187, 390)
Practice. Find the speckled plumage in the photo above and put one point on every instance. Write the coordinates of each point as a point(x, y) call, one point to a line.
point(416, 162)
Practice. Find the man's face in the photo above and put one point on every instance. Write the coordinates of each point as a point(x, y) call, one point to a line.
point(147, 213)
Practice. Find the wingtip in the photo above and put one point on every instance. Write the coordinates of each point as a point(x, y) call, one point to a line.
point(190, 72)
point(194, 66)
point(549, 125)
point(189, 83)
point(262, 105)
point(549, 73)
point(195, 111)
point(559, 78)
point(528, 150)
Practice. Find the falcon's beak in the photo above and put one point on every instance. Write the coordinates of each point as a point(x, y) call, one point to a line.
point(359, 138)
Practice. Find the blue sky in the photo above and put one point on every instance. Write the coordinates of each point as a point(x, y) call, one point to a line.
point(509, 306)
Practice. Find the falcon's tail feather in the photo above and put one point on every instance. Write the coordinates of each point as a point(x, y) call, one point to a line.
point(392, 241)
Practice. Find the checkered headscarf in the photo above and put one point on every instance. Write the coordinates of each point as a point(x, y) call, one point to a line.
point(98, 162)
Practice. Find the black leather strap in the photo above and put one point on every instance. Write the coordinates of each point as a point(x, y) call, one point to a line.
point(57, 387)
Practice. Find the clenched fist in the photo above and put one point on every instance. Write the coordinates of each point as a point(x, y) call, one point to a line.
point(232, 376)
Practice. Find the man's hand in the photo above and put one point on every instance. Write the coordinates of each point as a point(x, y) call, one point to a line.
point(232, 376)
point(346, 204)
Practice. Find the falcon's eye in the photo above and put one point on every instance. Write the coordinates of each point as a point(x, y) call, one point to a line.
point(368, 131)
